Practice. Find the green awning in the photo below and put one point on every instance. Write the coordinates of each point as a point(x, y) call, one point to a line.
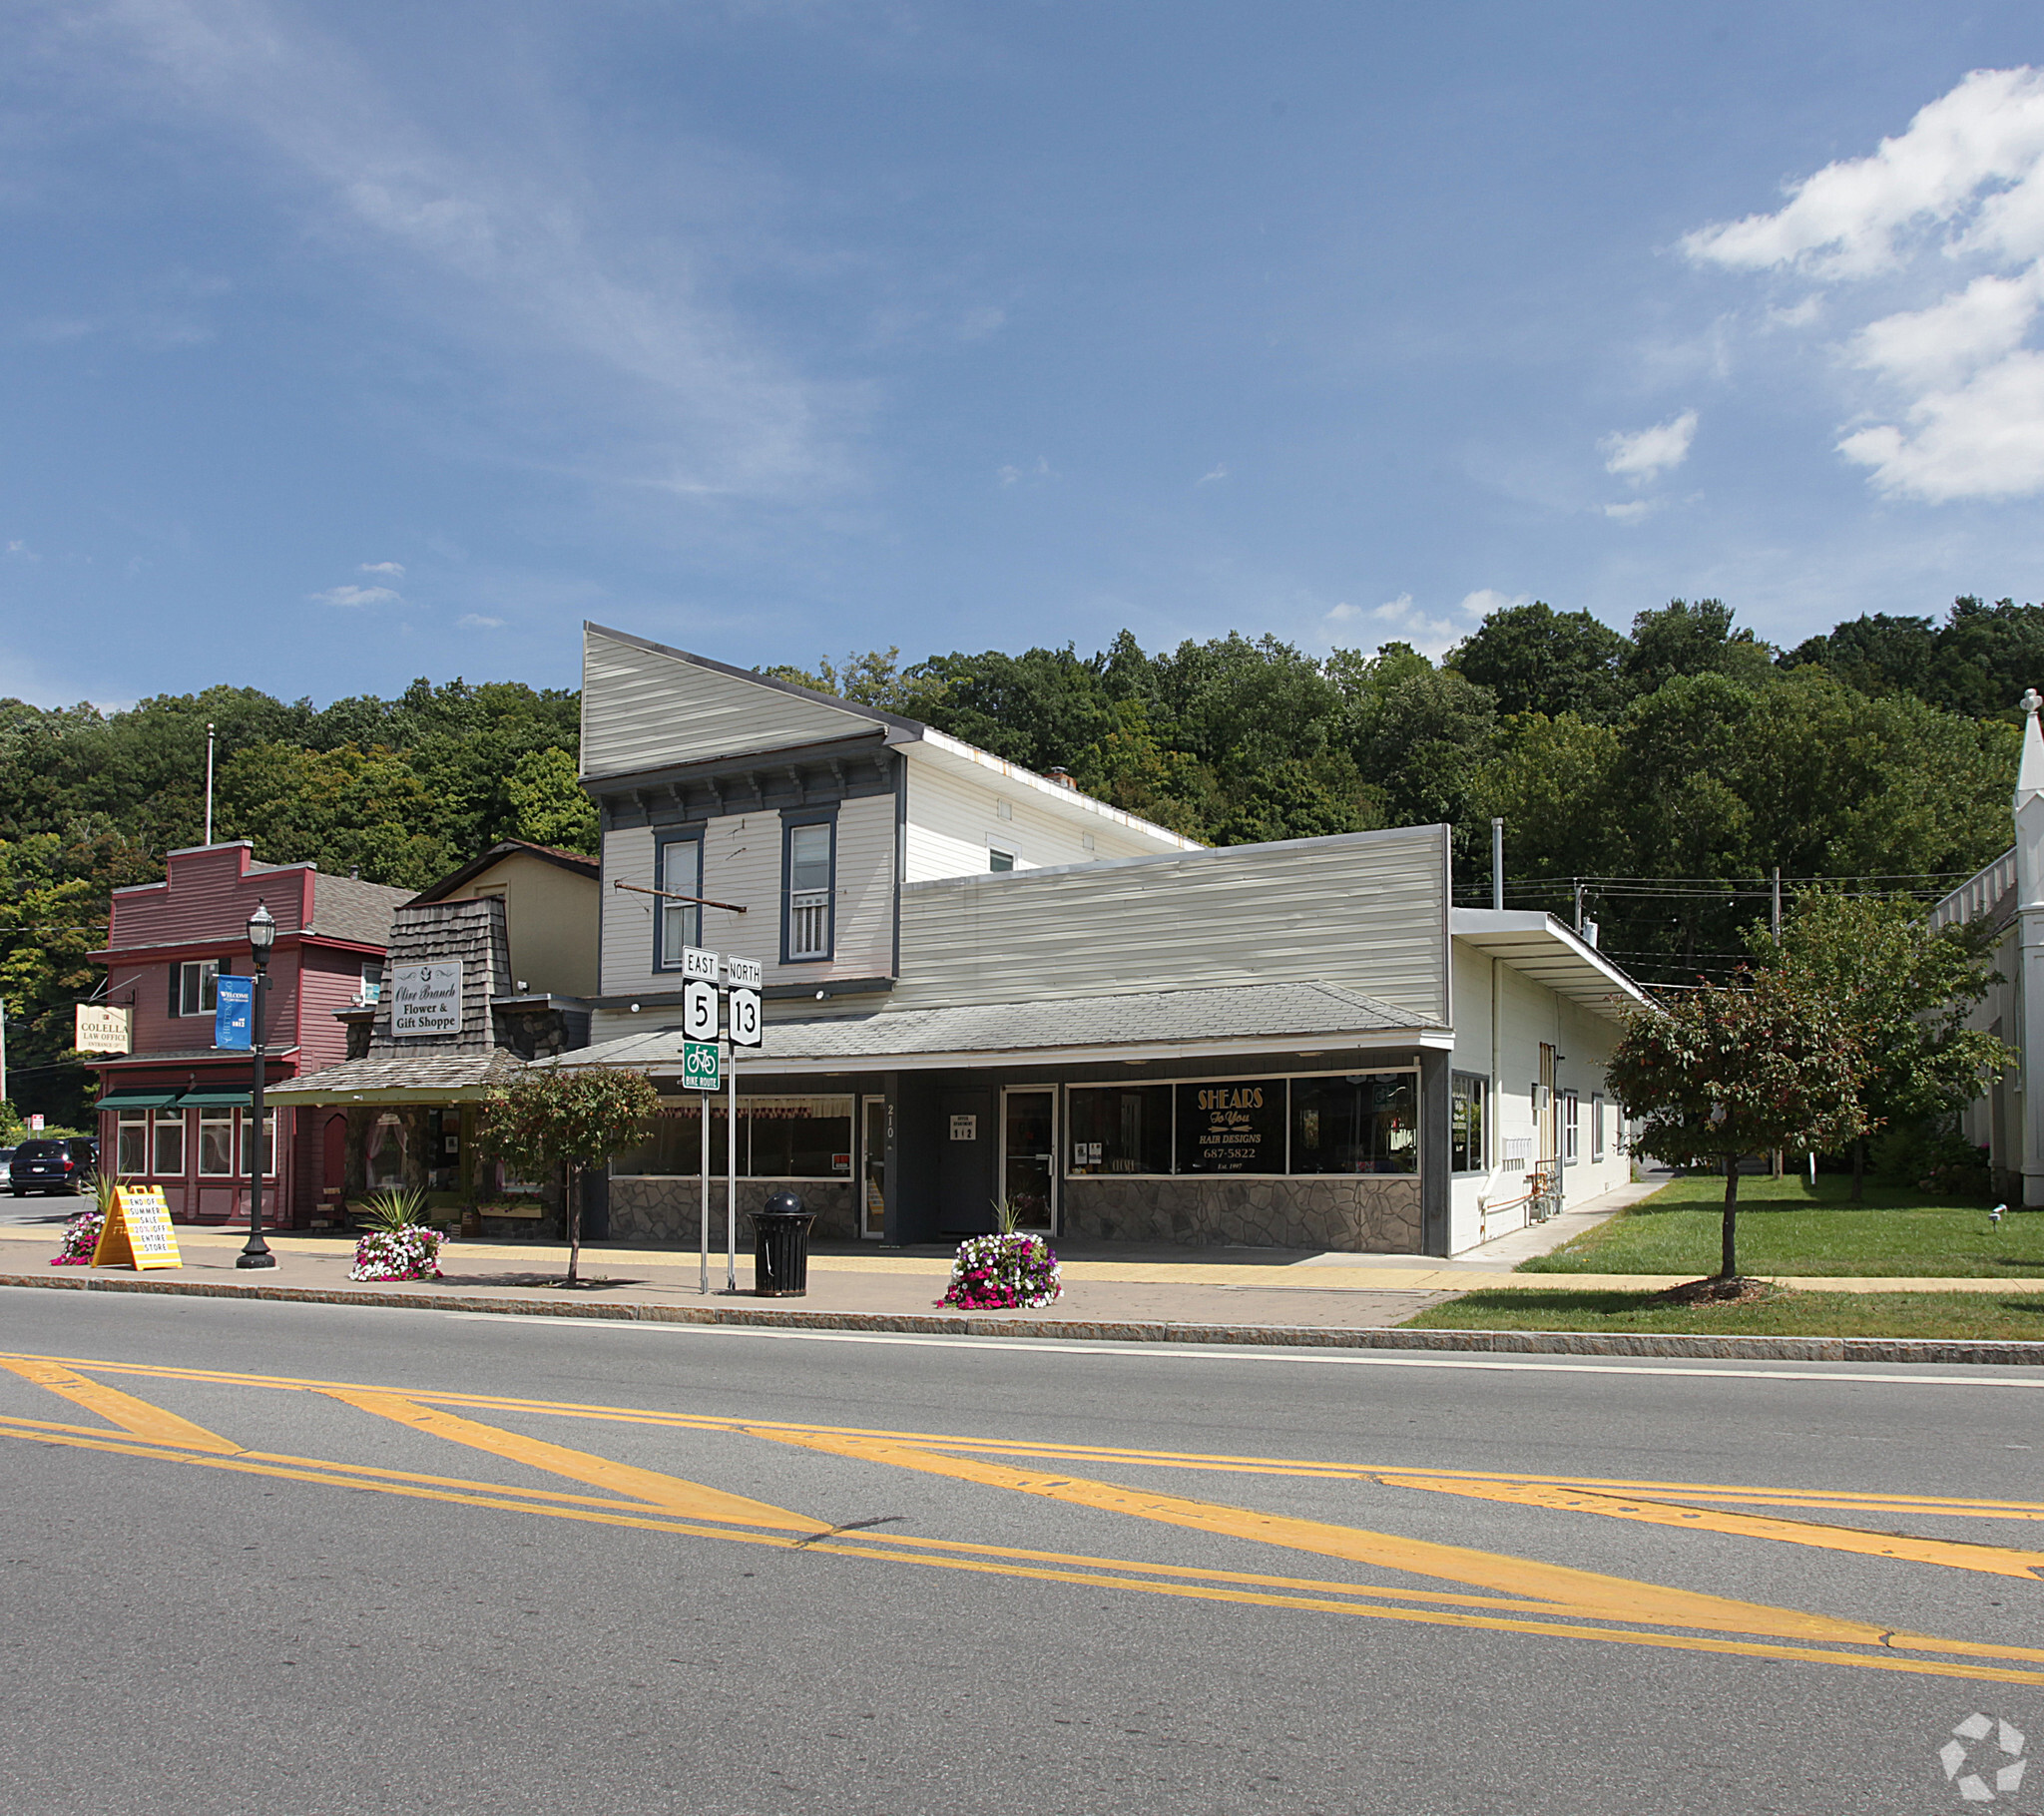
point(137, 1100)
point(214, 1100)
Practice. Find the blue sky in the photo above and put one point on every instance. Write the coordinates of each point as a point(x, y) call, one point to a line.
point(349, 342)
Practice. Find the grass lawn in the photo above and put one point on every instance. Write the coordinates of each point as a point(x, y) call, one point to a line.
point(1784, 1314)
point(1787, 1228)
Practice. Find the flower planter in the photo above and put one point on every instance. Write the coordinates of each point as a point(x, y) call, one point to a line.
point(1003, 1274)
point(410, 1254)
point(81, 1238)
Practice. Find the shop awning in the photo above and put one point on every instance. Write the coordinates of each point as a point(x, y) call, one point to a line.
point(214, 1100)
point(137, 1100)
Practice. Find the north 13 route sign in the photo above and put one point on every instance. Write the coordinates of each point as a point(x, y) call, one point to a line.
point(138, 1232)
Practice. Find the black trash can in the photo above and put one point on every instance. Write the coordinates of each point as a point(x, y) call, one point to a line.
point(780, 1247)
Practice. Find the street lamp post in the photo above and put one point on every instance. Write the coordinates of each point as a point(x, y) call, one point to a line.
point(262, 936)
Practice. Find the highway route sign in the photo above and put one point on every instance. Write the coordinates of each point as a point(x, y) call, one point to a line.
point(698, 1011)
point(700, 1068)
point(745, 1018)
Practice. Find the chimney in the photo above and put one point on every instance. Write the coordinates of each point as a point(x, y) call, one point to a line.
point(1063, 778)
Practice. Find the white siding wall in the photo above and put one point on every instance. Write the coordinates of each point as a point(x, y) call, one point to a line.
point(1366, 910)
point(742, 863)
point(646, 709)
point(953, 823)
point(1528, 1013)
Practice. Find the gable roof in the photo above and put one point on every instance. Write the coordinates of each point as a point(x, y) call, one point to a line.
point(509, 847)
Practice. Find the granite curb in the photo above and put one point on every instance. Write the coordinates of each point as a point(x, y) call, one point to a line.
point(2007, 1354)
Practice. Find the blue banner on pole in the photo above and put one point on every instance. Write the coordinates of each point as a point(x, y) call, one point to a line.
point(232, 1012)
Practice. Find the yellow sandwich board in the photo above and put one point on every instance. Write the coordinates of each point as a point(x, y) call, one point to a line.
point(137, 1232)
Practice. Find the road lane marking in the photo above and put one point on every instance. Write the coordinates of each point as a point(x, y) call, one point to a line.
point(1025, 1564)
point(669, 1493)
point(1989, 1560)
point(131, 1415)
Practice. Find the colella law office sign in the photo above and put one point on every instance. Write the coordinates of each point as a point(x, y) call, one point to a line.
point(425, 999)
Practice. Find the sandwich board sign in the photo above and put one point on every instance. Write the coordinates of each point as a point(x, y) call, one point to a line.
point(138, 1232)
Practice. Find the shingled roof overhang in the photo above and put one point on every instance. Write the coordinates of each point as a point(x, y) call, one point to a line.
point(1230, 1022)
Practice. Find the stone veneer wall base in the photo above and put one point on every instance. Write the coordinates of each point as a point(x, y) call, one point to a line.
point(1355, 1214)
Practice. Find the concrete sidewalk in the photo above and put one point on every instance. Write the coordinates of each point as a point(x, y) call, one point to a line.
point(1105, 1284)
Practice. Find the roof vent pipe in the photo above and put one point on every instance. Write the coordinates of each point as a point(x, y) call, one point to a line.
point(1497, 865)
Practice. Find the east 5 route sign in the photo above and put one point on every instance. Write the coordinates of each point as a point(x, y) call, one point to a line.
point(700, 1068)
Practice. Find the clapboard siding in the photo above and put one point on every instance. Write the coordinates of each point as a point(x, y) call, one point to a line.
point(1366, 910)
point(741, 864)
point(650, 710)
point(952, 823)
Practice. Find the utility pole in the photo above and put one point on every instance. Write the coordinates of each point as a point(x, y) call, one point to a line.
point(1775, 922)
point(1497, 865)
point(3, 1051)
point(1579, 905)
point(209, 781)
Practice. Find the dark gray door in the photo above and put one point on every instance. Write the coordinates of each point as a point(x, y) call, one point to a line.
point(969, 1143)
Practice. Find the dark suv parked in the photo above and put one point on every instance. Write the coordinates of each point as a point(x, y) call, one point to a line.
point(53, 1165)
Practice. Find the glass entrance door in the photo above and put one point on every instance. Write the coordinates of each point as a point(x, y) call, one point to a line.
point(872, 1184)
point(1029, 1149)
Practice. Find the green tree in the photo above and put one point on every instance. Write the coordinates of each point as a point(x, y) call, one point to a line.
point(543, 1118)
point(1908, 990)
point(548, 803)
point(1724, 1072)
point(343, 809)
point(1534, 659)
point(1684, 638)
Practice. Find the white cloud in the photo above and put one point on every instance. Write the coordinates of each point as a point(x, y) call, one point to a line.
point(1632, 511)
point(1983, 439)
point(1849, 219)
point(475, 620)
point(395, 568)
point(1433, 633)
point(355, 596)
point(1647, 453)
point(1342, 614)
point(1010, 476)
point(1206, 479)
point(1961, 386)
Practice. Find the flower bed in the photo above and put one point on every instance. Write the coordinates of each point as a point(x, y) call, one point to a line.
point(1002, 1273)
point(409, 1253)
point(81, 1238)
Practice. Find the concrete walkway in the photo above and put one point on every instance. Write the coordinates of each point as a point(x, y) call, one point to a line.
point(1117, 1284)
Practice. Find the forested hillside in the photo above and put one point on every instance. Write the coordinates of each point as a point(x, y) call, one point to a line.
point(1668, 770)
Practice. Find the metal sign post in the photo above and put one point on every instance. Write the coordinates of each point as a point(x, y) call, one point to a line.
point(731, 1176)
point(741, 1018)
point(703, 1284)
point(700, 1073)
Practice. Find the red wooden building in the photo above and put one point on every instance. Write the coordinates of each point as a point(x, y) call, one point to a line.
point(175, 1110)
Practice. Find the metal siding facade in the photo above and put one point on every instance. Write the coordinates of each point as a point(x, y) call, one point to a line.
point(742, 863)
point(952, 823)
point(644, 710)
point(1364, 910)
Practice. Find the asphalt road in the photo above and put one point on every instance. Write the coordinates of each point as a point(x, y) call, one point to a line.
point(570, 1568)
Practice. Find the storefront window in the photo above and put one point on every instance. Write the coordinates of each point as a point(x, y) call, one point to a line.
point(131, 1143)
point(245, 1120)
point(1466, 1123)
point(1232, 1125)
point(216, 1144)
point(1121, 1128)
point(383, 1162)
point(779, 1137)
point(674, 1143)
point(170, 1144)
point(797, 1138)
point(1361, 1123)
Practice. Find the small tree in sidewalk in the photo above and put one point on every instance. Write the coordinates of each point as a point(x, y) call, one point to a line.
point(544, 1117)
point(1723, 1071)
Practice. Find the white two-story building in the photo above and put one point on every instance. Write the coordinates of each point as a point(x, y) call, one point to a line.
point(984, 986)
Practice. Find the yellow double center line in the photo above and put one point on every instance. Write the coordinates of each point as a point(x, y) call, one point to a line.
point(1520, 1594)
